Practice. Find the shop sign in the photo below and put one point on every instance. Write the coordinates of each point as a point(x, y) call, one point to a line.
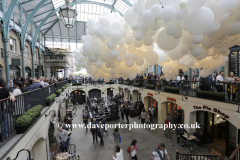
point(171, 99)
point(217, 111)
point(150, 94)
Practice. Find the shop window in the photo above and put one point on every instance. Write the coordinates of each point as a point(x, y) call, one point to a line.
point(26, 51)
point(13, 44)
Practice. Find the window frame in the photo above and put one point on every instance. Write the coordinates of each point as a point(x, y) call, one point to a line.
point(35, 55)
point(14, 45)
point(26, 51)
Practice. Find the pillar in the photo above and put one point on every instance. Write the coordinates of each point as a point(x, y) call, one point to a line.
point(23, 60)
point(48, 72)
point(40, 61)
point(189, 74)
point(65, 72)
point(33, 63)
point(6, 60)
point(134, 98)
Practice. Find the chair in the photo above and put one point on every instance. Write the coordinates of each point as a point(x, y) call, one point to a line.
point(72, 151)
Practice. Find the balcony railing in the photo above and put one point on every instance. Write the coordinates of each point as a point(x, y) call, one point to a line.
point(193, 156)
point(10, 111)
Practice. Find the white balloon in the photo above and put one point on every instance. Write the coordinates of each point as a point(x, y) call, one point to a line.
point(152, 58)
point(148, 17)
point(137, 7)
point(122, 50)
point(130, 17)
point(155, 25)
point(88, 47)
point(127, 55)
point(104, 22)
point(116, 35)
point(178, 34)
point(196, 39)
point(129, 40)
point(168, 13)
point(140, 61)
point(199, 21)
point(231, 27)
point(111, 44)
point(131, 49)
point(144, 27)
point(138, 43)
point(121, 42)
point(171, 30)
point(166, 42)
point(139, 36)
point(92, 58)
point(208, 42)
point(135, 26)
point(115, 25)
point(221, 17)
point(91, 23)
point(129, 62)
point(224, 6)
point(181, 13)
point(195, 5)
point(204, 73)
point(119, 58)
point(134, 56)
point(147, 40)
point(156, 9)
point(162, 56)
point(196, 51)
point(114, 53)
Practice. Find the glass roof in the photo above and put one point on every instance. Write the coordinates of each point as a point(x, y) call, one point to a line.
point(86, 10)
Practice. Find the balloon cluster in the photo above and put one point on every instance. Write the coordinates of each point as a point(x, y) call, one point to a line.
point(174, 34)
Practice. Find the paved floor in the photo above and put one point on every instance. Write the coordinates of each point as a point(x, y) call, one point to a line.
point(147, 140)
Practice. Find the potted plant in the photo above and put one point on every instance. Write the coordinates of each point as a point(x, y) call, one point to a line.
point(50, 98)
point(150, 86)
point(58, 92)
point(110, 82)
point(126, 83)
point(27, 119)
point(171, 89)
point(136, 84)
point(77, 84)
point(211, 95)
point(120, 82)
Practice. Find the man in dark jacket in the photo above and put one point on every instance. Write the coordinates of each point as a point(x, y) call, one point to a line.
point(126, 112)
point(29, 86)
point(85, 119)
point(36, 84)
point(180, 131)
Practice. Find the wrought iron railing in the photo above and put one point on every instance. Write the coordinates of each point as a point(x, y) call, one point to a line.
point(193, 156)
point(10, 111)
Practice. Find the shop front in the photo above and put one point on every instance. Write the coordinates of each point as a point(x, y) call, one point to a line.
point(216, 131)
point(174, 112)
point(149, 101)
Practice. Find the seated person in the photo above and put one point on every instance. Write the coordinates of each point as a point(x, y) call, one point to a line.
point(180, 131)
point(63, 139)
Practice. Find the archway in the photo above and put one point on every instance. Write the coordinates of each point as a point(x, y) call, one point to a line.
point(38, 151)
point(28, 72)
point(110, 92)
point(1, 71)
point(149, 101)
point(78, 96)
point(14, 72)
point(173, 111)
point(215, 132)
point(94, 93)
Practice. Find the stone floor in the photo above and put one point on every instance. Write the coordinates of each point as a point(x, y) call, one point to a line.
point(147, 140)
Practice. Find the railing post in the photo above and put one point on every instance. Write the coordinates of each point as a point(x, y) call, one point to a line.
point(177, 155)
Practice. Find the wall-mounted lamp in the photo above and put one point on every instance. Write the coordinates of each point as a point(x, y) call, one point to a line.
point(237, 113)
point(157, 93)
point(29, 154)
point(183, 102)
point(111, 88)
point(54, 117)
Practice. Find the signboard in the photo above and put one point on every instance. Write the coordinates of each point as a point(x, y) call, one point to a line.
point(217, 111)
point(151, 69)
point(15, 62)
point(150, 94)
point(171, 99)
point(83, 93)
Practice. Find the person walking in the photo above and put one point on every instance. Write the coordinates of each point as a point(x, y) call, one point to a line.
point(85, 120)
point(151, 110)
point(126, 112)
point(94, 128)
point(63, 139)
point(133, 150)
point(143, 116)
point(104, 120)
point(100, 133)
point(119, 154)
point(122, 113)
point(116, 135)
point(160, 153)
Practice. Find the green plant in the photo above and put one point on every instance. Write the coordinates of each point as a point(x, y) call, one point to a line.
point(77, 84)
point(51, 98)
point(63, 87)
point(136, 84)
point(120, 82)
point(59, 91)
point(171, 89)
point(27, 117)
point(110, 82)
point(150, 86)
point(127, 83)
point(211, 95)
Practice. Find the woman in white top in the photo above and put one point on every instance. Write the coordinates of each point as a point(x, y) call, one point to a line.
point(119, 154)
point(18, 88)
point(133, 150)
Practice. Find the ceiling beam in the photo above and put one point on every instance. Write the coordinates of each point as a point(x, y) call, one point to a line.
point(51, 26)
point(25, 2)
point(41, 19)
point(113, 4)
point(42, 13)
point(128, 3)
point(42, 6)
point(49, 22)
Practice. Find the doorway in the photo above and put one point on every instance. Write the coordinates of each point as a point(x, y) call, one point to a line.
point(14, 72)
point(1, 71)
point(110, 92)
point(27, 72)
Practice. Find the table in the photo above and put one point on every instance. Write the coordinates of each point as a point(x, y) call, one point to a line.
point(69, 110)
point(59, 156)
point(190, 138)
